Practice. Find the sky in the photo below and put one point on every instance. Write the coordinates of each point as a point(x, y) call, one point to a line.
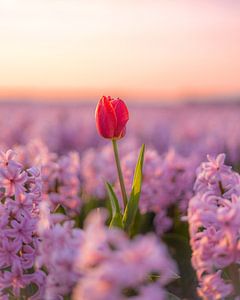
point(135, 49)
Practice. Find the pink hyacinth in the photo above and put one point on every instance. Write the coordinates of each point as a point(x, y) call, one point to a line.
point(214, 220)
point(57, 253)
point(60, 175)
point(94, 171)
point(168, 181)
point(18, 218)
point(13, 179)
point(113, 267)
point(86, 261)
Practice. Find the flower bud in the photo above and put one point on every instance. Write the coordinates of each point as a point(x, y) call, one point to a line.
point(111, 117)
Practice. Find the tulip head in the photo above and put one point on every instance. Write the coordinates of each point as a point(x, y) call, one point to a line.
point(111, 117)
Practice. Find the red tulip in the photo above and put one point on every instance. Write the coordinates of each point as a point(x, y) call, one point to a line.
point(111, 118)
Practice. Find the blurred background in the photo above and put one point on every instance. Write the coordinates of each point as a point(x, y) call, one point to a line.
point(138, 50)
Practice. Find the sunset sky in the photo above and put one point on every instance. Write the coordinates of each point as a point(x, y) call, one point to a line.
point(136, 49)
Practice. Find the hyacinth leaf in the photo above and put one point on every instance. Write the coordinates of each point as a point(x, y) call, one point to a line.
point(116, 220)
point(132, 205)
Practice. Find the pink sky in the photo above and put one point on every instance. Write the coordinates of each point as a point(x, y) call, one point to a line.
point(137, 49)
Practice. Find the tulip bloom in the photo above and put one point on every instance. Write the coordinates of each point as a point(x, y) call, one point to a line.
point(111, 118)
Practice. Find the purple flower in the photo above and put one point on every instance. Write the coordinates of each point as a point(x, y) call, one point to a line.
point(19, 212)
point(94, 171)
point(9, 252)
point(104, 250)
point(14, 279)
point(13, 180)
point(22, 205)
point(167, 181)
point(214, 222)
point(21, 231)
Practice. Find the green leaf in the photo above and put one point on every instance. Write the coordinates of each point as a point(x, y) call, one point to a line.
point(116, 220)
point(132, 205)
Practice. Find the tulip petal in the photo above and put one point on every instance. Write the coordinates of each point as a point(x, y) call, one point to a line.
point(106, 120)
point(122, 116)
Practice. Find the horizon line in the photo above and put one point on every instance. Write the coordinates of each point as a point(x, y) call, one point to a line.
point(90, 95)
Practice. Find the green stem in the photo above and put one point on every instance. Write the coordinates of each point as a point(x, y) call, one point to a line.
point(120, 175)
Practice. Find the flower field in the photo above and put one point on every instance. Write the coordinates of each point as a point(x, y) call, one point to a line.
point(145, 207)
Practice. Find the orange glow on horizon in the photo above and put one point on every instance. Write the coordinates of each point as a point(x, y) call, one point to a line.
point(72, 95)
point(141, 50)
